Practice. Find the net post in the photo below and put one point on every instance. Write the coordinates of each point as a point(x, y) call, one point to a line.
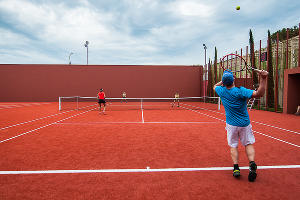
point(59, 103)
point(219, 103)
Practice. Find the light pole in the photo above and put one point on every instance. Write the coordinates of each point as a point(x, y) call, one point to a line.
point(70, 58)
point(87, 51)
point(205, 69)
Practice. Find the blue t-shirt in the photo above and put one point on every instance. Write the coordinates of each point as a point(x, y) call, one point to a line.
point(235, 103)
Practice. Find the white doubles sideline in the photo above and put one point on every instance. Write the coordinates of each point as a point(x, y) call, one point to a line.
point(45, 126)
point(3, 128)
point(144, 170)
point(276, 127)
point(295, 145)
point(18, 105)
point(58, 122)
point(37, 119)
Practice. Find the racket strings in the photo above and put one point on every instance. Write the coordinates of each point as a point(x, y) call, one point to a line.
point(238, 65)
point(234, 62)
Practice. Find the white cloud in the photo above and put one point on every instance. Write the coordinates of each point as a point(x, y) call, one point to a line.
point(11, 39)
point(192, 8)
point(56, 23)
point(135, 31)
point(20, 55)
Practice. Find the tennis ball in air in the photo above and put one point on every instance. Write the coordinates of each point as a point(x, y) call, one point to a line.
point(238, 8)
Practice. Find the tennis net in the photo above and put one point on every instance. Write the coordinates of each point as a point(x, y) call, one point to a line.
point(195, 103)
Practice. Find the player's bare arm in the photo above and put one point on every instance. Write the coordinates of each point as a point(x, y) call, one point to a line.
point(262, 84)
point(218, 84)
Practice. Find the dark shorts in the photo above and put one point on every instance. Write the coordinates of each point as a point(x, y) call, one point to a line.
point(101, 101)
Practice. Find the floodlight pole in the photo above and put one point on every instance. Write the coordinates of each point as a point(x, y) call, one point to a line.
point(70, 58)
point(87, 51)
point(205, 47)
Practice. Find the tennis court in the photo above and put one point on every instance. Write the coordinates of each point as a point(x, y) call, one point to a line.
point(147, 150)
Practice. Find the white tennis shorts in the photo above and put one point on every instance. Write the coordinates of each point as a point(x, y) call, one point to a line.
point(236, 133)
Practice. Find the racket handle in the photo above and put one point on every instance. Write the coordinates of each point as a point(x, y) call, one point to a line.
point(256, 70)
point(262, 73)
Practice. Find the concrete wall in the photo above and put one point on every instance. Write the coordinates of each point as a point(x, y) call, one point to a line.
point(48, 82)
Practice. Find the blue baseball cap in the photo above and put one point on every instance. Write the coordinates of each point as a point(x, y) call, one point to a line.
point(227, 78)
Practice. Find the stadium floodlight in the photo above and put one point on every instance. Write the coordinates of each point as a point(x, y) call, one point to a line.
point(87, 51)
point(205, 69)
point(70, 58)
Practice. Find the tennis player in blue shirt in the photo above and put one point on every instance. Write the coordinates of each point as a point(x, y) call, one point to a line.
point(238, 124)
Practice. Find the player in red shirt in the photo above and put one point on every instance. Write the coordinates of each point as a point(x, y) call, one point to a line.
point(101, 99)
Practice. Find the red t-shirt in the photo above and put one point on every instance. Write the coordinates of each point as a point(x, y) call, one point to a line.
point(101, 95)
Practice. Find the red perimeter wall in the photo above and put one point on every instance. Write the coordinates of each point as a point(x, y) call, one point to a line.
point(47, 82)
point(291, 98)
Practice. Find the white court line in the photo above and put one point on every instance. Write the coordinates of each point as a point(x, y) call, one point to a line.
point(38, 119)
point(94, 123)
point(276, 127)
point(143, 121)
point(203, 108)
point(144, 170)
point(137, 105)
point(276, 139)
point(44, 126)
point(295, 145)
point(251, 121)
point(19, 105)
point(203, 114)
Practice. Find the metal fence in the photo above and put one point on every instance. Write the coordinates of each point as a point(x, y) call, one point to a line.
point(285, 55)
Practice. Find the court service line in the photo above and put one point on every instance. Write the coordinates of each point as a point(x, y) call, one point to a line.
point(44, 126)
point(276, 127)
point(26, 122)
point(295, 145)
point(95, 123)
point(148, 169)
point(143, 121)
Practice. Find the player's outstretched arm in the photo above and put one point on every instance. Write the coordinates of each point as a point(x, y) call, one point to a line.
point(262, 84)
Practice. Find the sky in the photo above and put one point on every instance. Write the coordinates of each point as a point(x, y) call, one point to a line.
point(135, 32)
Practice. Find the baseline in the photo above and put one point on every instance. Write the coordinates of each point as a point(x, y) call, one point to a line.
point(148, 169)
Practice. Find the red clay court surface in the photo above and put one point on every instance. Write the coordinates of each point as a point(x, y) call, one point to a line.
point(141, 154)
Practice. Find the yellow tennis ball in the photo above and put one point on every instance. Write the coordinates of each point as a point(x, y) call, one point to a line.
point(238, 8)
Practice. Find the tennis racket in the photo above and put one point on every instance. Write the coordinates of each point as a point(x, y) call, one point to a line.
point(242, 66)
